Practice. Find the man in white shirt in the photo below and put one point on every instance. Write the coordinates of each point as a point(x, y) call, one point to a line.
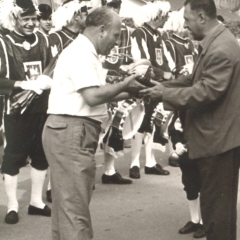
point(77, 108)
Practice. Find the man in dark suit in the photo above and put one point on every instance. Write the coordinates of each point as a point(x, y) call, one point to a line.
point(210, 97)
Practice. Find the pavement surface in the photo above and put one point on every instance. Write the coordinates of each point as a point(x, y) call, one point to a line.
point(151, 208)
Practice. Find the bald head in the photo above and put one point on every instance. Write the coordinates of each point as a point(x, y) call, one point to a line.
point(101, 16)
point(103, 27)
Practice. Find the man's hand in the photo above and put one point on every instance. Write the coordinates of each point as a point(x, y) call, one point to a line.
point(133, 85)
point(44, 82)
point(155, 92)
point(31, 85)
point(180, 149)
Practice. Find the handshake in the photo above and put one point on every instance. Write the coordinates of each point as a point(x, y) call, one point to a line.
point(43, 82)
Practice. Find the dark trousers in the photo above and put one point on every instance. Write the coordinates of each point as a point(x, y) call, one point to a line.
point(218, 196)
point(190, 176)
point(23, 135)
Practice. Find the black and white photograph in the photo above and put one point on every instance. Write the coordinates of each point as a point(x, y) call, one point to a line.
point(119, 119)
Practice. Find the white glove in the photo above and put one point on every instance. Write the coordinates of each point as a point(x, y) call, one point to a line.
point(180, 149)
point(31, 85)
point(44, 82)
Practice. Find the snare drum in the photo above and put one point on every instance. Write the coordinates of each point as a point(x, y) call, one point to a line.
point(128, 117)
point(105, 126)
point(161, 120)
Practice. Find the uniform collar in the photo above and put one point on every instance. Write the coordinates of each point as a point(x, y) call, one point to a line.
point(150, 29)
point(69, 33)
point(179, 39)
point(44, 34)
point(19, 38)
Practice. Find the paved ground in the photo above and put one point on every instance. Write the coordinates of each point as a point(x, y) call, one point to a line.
point(152, 208)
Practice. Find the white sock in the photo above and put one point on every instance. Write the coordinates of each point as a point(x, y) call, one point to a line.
point(136, 145)
point(194, 210)
point(109, 168)
point(150, 158)
point(10, 183)
point(49, 182)
point(199, 212)
point(38, 178)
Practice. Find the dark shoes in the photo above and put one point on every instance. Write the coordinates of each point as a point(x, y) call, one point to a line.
point(11, 217)
point(115, 179)
point(134, 172)
point(200, 233)
point(189, 228)
point(49, 195)
point(46, 211)
point(157, 170)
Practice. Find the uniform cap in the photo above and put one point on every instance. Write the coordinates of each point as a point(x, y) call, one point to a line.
point(45, 11)
point(27, 6)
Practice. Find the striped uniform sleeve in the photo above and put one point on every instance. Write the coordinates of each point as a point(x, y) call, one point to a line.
point(6, 85)
point(55, 48)
point(139, 45)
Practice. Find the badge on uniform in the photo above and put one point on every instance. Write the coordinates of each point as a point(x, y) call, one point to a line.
point(159, 56)
point(155, 37)
point(188, 59)
point(32, 69)
point(186, 45)
point(26, 45)
point(113, 56)
point(54, 50)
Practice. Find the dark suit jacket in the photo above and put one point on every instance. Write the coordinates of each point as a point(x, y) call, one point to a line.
point(211, 96)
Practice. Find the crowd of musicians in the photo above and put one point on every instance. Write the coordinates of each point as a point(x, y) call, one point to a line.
point(81, 78)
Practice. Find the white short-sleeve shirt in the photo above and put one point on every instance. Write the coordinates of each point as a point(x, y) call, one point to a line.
point(78, 67)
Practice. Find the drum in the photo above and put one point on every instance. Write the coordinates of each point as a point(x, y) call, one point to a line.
point(105, 126)
point(161, 120)
point(128, 117)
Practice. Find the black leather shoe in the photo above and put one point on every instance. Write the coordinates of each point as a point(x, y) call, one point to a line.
point(134, 172)
point(173, 160)
point(11, 217)
point(200, 233)
point(49, 195)
point(46, 211)
point(115, 179)
point(189, 228)
point(157, 170)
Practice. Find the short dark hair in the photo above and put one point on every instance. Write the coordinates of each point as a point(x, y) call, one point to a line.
point(208, 6)
point(100, 16)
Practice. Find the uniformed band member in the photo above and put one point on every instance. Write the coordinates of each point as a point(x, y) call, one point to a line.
point(23, 55)
point(45, 24)
point(77, 108)
point(184, 55)
point(113, 143)
point(3, 32)
point(69, 21)
point(147, 43)
point(44, 19)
